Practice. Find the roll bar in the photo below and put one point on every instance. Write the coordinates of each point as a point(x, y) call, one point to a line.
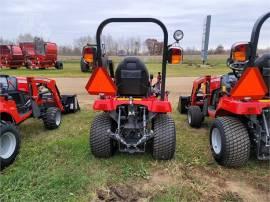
point(255, 37)
point(137, 20)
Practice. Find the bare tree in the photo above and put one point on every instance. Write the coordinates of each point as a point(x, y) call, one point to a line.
point(82, 41)
point(5, 42)
point(25, 38)
point(137, 46)
point(220, 49)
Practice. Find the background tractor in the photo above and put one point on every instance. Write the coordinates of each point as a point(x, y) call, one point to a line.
point(22, 98)
point(89, 58)
point(238, 101)
point(11, 56)
point(40, 55)
point(134, 114)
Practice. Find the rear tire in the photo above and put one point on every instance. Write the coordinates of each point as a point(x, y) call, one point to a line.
point(229, 142)
point(52, 118)
point(28, 64)
point(195, 116)
point(164, 137)
point(100, 142)
point(9, 144)
point(84, 66)
point(182, 105)
point(59, 65)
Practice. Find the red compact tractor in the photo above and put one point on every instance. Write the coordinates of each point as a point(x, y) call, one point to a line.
point(22, 98)
point(11, 56)
point(89, 58)
point(238, 101)
point(40, 55)
point(135, 115)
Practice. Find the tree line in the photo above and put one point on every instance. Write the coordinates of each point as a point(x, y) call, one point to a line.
point(125, 46)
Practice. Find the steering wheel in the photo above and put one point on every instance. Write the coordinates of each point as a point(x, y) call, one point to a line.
point(237, 68)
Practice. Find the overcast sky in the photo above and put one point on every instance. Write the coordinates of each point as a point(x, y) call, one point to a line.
point(62, 21)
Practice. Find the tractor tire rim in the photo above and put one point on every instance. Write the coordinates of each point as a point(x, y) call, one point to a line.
point(189, 118)
point(8, 145)
point(58, 118)
point(216, 140)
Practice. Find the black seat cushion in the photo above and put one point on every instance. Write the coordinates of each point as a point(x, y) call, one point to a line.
point(132, 78)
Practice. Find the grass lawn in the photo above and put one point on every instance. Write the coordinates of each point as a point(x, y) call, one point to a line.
point(190, 67)
point(58, 166)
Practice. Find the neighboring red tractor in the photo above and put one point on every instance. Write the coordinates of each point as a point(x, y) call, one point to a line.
point(22, 98)
point(135, 116)
point(238, 101)
point(40, 55)
point(11, 56)
point(89, 58)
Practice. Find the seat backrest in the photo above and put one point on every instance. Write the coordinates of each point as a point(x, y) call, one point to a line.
point(263, 63)
point(132, 78)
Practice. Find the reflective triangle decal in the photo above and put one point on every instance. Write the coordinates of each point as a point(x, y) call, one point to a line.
point(100, 82)
point(250, 84)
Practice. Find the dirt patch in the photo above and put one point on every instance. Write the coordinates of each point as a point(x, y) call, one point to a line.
point(121, 192)
point(209, 184)
point(247, 192)
point(229, 188)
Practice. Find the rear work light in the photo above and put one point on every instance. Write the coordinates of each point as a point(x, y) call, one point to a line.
point(175, 55)
point(240, 52)
point(88, 54)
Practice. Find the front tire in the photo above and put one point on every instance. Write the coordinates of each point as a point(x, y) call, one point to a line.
point(164, 137)
point(84, 66)
point(9, 144)
point(100, 142)
point(52, 118)
point(182, 104)
point(195, 116)
point(229, 142)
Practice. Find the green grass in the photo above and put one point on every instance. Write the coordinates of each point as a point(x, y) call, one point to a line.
point(57, 166)
point(190, 67)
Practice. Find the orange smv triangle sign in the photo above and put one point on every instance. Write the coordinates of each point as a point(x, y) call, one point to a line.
point(250, 84)
point(100, 82)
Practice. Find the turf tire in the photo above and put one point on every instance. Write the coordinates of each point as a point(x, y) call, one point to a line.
point(195, 116)
point(9, 131)
point(84, 66)
point(164, 140)
point(52, 118)
point(101, 144)
point(235, 142)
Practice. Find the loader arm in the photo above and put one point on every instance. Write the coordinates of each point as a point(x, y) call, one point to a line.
point(48, 83)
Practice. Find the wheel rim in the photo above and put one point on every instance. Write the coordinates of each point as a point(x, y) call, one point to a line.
point(8, 145)
point(216, 140)
point(189, 118)
point(58, 118)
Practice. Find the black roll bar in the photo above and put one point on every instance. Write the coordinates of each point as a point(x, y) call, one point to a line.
point(124, 20)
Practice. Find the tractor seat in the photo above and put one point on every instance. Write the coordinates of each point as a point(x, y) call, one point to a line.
point(132, 78)
point(263, 63)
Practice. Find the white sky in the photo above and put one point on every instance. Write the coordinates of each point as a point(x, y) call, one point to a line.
point(62, 21)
